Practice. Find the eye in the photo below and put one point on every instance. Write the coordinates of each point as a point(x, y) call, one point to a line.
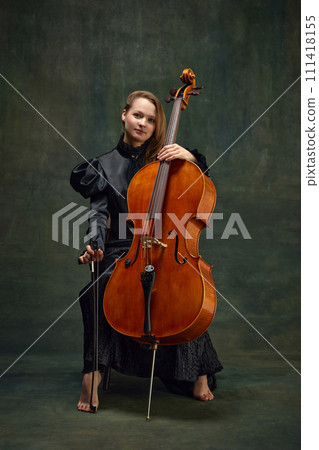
point(137, 115)
point(151, 120)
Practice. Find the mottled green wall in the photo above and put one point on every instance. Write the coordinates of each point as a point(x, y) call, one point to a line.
point(75, 62)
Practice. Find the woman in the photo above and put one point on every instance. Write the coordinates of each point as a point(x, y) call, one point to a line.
point(187, 368)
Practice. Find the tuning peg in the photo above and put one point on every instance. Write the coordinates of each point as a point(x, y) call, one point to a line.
point(196, 90)
point(173, 92)
point(169, 99)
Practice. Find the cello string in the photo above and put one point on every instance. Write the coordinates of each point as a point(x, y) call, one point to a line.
point(161, 179)
point(159, 188)
point(163, 170)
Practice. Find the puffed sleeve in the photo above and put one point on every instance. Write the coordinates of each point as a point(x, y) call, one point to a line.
point(98, 216)
point(88, 178)
point(200, 161)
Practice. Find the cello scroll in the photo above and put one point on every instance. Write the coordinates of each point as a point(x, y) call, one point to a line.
point(188, 78)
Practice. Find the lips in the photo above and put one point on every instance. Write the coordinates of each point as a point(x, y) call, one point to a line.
point(140, 131)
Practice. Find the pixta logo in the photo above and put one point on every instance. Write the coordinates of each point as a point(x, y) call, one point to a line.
point(234, 226)
point(74, 218)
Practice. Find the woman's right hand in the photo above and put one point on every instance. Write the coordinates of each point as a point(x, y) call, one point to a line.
point(87, 256)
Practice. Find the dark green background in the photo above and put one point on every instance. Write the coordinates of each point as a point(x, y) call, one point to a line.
point(75, 62)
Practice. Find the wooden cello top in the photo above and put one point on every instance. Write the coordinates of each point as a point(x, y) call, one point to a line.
point(162, 290)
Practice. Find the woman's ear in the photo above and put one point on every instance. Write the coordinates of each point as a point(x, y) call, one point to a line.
point(123, 115)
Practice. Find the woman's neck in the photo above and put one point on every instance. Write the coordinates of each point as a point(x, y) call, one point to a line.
point(133, 144)
point(130, 151)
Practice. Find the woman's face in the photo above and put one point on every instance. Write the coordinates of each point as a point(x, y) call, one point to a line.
point(140, 122)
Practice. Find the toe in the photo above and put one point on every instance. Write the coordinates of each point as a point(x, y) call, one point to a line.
point(205, 397)
point(86, 407)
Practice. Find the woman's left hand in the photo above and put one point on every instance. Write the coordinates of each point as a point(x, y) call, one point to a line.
point(175, 151)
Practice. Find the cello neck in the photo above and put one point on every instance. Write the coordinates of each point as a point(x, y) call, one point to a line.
point(159, 189)
point(172, 128)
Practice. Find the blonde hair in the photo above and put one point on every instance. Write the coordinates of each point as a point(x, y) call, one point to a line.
point(156, 141)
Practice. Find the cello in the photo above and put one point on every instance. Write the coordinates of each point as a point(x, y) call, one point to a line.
point(162, 292)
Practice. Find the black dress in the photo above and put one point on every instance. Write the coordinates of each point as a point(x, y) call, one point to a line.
point(105, 181)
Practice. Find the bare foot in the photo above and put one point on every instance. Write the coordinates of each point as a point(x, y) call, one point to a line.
point(84, 402)
point(201, 390)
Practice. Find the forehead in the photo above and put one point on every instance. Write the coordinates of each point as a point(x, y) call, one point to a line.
point(144, 105)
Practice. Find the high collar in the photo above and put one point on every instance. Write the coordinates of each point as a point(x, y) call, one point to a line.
point(130, 152)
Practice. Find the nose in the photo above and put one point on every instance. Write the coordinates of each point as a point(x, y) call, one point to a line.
point(142, 122)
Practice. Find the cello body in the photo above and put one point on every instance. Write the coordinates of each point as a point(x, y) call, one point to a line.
point(180, 303)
